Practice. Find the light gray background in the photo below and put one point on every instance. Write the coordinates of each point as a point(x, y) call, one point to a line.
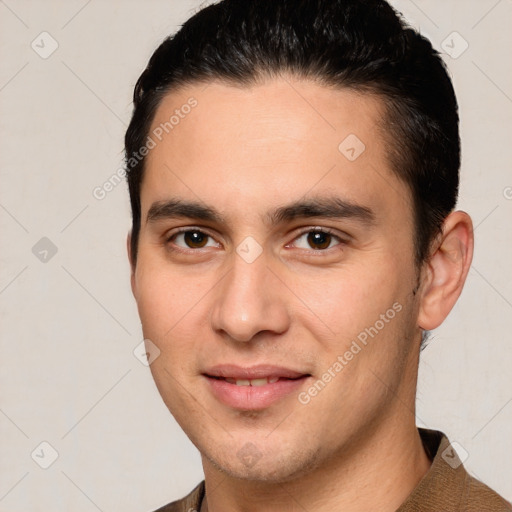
point(69, 325)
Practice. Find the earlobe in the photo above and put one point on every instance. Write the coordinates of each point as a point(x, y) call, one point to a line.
point(446, 270)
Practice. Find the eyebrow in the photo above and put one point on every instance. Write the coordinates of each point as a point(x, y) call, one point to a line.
point(177, 208)
point(325, 207)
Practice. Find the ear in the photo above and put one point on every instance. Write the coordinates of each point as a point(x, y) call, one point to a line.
point(446, 270)
point(132, 264)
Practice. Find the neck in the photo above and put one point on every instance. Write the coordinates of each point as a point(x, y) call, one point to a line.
point(375, 473)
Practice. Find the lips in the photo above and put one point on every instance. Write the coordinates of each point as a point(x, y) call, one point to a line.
point(263, 371)
point(253, 388)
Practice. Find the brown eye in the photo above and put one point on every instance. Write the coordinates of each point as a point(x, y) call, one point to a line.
point(192, 239)
point(195, 239)
point(319, 239)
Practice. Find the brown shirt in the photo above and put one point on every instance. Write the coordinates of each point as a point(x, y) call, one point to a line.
point(447, 487)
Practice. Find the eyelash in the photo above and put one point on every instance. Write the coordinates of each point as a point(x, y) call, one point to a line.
point(317, 252)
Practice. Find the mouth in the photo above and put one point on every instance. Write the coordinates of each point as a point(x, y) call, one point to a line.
point(253, 388)
point(254, 382)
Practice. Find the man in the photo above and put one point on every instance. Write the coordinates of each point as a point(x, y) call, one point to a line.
point(293, 173)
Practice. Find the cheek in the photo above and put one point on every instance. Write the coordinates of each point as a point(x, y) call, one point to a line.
point(166, 296)
point(345, 303)
point(169, 306)
point(173, 308)
point(157, 302)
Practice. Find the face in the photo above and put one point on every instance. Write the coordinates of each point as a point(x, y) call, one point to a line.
point(275, 274)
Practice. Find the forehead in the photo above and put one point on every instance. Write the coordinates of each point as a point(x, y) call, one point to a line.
point(277, 140)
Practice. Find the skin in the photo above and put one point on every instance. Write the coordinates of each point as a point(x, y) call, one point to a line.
point(246, 151)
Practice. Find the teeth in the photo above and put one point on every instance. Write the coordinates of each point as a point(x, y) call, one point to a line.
point(259, 382)
point(252, 382)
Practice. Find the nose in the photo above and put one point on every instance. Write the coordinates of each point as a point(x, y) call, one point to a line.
point(249, 300)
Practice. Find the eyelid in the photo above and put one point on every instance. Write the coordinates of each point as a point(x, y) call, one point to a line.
point(177, 231)
point(184, 229)
point(342, 238)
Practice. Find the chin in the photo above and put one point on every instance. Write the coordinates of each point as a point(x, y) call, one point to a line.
point(271, 466)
